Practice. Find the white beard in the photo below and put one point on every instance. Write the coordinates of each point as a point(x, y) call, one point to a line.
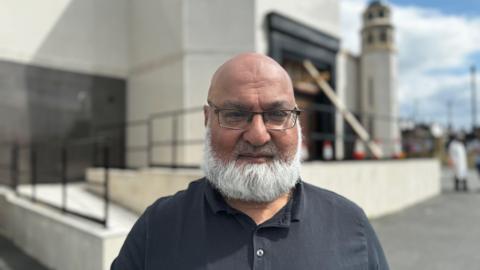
point(252, 182)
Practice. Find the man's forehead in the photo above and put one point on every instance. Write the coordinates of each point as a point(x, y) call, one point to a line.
point(250, 71)
point(255, 96)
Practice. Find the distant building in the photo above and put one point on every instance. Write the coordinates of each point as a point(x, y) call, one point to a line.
point(77, 68)
point(371, 86)
point(379, 75)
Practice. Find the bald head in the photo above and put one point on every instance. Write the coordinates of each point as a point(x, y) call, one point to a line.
point(249, 69)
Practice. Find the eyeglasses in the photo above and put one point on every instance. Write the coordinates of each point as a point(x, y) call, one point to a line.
point(240, 119)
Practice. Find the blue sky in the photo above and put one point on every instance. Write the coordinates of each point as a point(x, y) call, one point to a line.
point(452, 7)
point(437, 42)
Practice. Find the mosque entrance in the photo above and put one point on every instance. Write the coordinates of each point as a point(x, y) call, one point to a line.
point(290, 43)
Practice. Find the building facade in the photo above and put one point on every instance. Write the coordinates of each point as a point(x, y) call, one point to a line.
point(135, 70)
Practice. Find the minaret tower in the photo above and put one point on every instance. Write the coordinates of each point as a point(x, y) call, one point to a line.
point(378, 77)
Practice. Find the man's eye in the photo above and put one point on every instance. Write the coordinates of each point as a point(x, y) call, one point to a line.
point(277, 115)
point(235, 115)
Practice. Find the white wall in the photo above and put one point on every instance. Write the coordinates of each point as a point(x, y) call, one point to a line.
point(57, 241)
point(349, 79)
point(379, 187)
point(137, 189)
point(155, 33)
point(78, 35)
point(215, 30)
point(153, 91)
point(348, 91)
point(156, 79)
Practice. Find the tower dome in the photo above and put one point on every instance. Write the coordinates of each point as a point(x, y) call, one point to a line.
point(377, 31)
point(378, 2)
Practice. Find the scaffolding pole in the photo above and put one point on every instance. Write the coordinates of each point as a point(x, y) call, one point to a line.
point(347, 115)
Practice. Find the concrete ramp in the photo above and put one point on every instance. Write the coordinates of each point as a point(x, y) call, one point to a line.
point(62, 241)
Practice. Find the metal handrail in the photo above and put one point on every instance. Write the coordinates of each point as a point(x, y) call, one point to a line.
point(15, 172)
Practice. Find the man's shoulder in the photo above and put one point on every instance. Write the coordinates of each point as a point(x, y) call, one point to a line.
point(319, 198)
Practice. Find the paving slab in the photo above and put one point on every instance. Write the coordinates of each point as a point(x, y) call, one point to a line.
point(440, 233)
point(12, 258)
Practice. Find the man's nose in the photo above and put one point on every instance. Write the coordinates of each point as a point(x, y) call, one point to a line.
point(257, 133)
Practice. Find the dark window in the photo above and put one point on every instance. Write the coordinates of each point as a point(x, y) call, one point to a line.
point(371, 126)
point(383, 36)
point(371, 104)
point(370, 15)
point(381, 13)
point(371, 92)
point(370, 38)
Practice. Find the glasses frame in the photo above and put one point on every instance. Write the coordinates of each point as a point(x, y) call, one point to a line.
point(295, 112)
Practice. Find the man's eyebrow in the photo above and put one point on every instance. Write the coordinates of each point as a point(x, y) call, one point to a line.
point(234, 105)
point(278, 105)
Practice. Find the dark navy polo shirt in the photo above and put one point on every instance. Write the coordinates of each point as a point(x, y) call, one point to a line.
point(197, 229)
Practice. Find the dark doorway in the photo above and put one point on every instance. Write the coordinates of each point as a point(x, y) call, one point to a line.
point(290, 43)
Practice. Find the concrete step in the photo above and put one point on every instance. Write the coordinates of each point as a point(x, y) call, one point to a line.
point(83, 201)
point(13, 258)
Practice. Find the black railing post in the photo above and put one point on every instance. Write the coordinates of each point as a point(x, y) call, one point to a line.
point(64, 177)
point(149, 141)
point(174, 140)
point(14, 167)
point(95, 153)
point(122, 140)
point(106, 182)
point(33, 171)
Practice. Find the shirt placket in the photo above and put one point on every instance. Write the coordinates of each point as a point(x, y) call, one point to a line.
point(261, 252)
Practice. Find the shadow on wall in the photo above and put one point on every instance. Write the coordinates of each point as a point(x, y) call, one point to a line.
point(73, 84)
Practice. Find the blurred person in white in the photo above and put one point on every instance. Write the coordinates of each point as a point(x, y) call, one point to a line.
point(473, 147)
point(457, 160)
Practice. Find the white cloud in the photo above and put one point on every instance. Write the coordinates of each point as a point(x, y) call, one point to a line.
point(350, 16)
point(434, 54)
point(429, 39)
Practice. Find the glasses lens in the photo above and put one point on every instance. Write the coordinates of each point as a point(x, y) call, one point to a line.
point(279, 119)
point(233, 118)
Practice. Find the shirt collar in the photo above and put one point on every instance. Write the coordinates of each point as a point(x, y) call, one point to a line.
point(292, 212)
point(298, 201)
point(215, 200)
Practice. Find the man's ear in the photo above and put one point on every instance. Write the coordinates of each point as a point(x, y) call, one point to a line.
point(205, 115)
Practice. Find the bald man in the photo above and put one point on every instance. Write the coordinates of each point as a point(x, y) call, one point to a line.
point(252, 210)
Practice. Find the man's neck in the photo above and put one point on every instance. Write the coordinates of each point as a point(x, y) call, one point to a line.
point(260, 212)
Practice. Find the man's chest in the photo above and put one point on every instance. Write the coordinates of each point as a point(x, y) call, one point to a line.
point(212, 246)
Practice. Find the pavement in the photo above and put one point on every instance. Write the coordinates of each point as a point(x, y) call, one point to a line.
point(12, 258)
point(440, 233)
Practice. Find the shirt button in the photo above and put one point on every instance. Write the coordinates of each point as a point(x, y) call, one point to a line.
point(260, 252)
